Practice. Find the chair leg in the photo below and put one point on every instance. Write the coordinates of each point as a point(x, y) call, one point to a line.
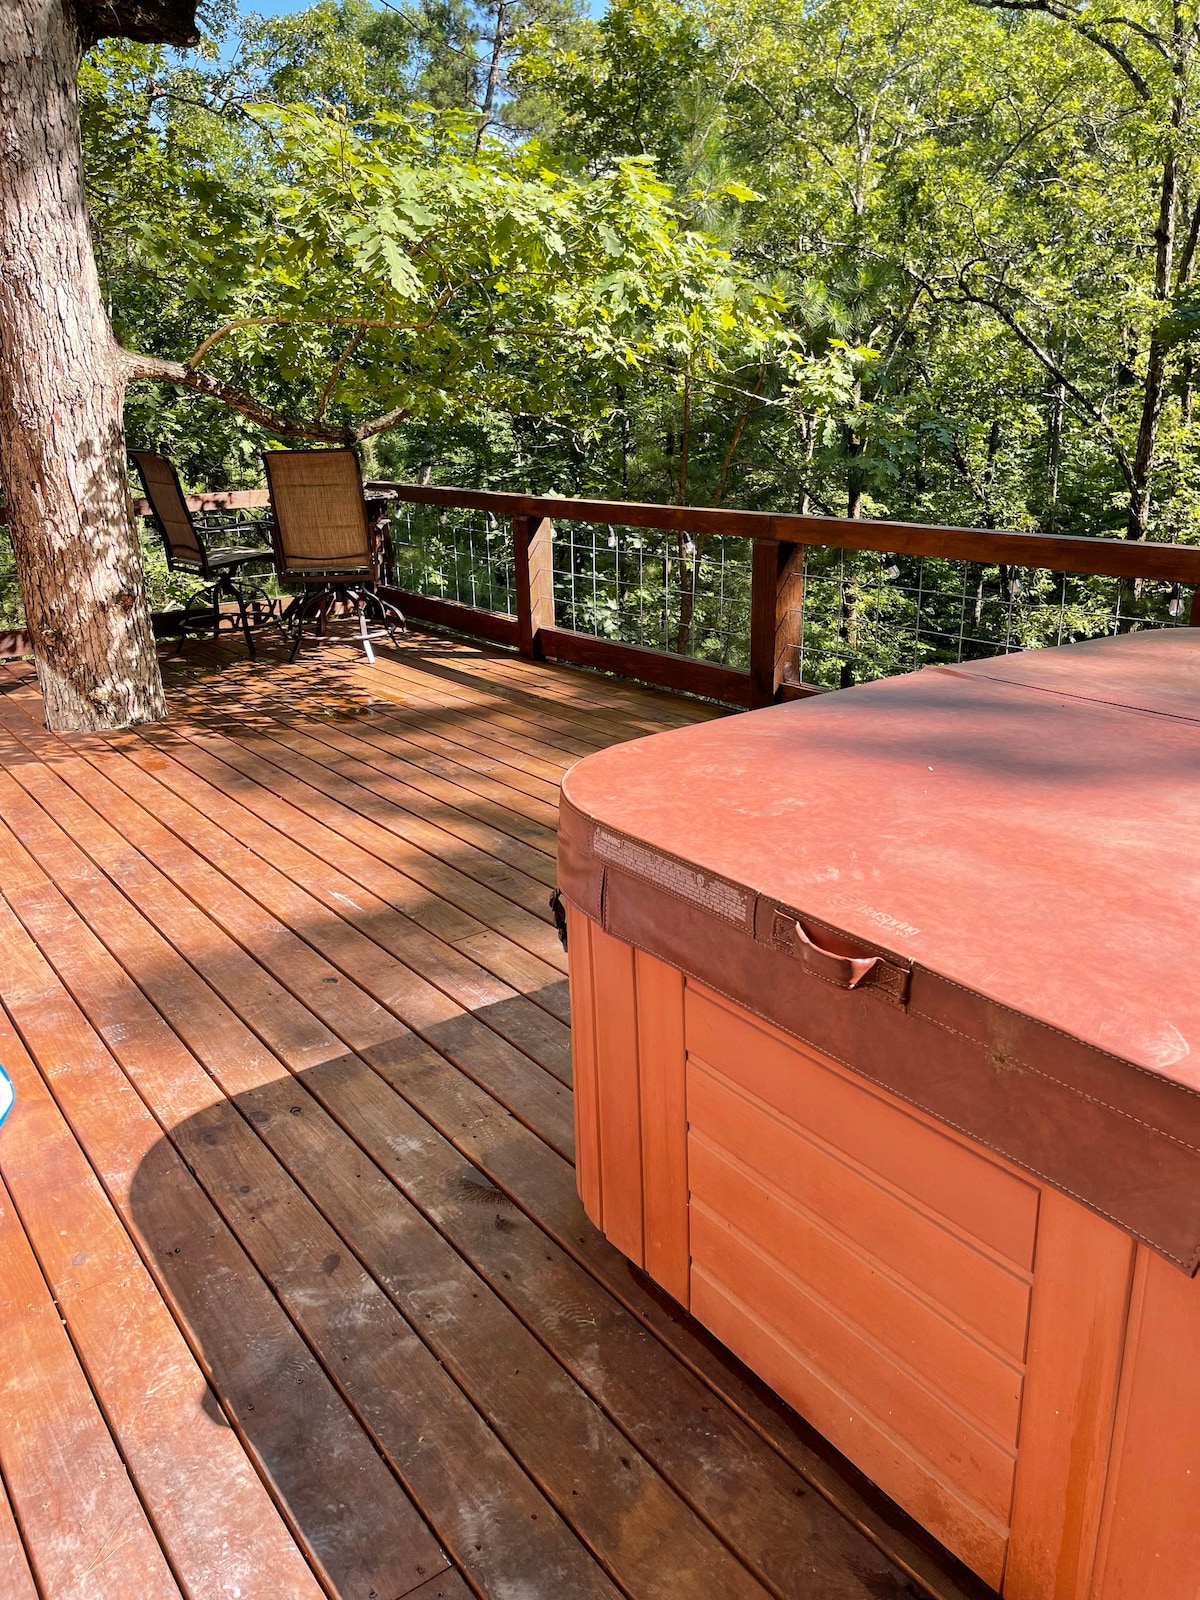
point(245, 621)
point(318, 600)
point(388, 611)
point(362, 628)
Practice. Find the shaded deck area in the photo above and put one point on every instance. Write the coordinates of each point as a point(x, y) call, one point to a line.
point(296, 1295)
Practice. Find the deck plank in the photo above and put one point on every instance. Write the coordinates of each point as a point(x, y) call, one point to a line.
point(304, 925)
point(482, 1502)
point(16, 1580)
point(618, 1503)
point(288, 1415)
point(86, 1533)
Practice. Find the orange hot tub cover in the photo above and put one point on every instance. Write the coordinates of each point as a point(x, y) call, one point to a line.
point(976, 886)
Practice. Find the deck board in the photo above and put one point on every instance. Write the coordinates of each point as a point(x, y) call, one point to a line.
point(295, 1016)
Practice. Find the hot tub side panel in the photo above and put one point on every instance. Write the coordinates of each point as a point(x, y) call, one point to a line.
point(961, 1332)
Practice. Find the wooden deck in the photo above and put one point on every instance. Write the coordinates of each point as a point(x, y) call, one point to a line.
point(296, 1296)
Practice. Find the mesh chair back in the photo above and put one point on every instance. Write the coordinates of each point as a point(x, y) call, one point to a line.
point(320, 522)
point(165, 494)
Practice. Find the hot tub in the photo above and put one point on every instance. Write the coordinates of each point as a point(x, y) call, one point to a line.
point(887, 1054)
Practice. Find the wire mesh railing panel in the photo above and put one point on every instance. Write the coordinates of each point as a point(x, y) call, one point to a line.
point(454, 554)
point(668, 591)
point(865, 614)
point(870, 615)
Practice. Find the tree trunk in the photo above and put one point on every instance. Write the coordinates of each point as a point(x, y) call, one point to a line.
point(1155, 385)
point(62, 389)
point(855, 444)
point(1054, 444)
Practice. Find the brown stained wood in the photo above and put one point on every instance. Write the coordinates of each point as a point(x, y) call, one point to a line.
point(460, 669)
point(307, 1446)
point(533, 578)
point(384, 831)
point(642, 708)
point(14, 642)
point(368, 855)
point(501, 768)
point(492, 625)
point(464, 1479)
point(1083, 1270)
point(665, 1413)
point(1057, 552)
point(682, 673)
point(480, 860)
point(456, 688)
point(155, 1397)
point(84, 1528)
point(582, 694)
point(623, 1509)
point(324, 1162)
point(544, 1186)
point(776, 615)
point(373, 1120)
point(16, 1580)
point(265, 993)
point(735, 1461)
point(471, 775)
point(368, 848)
point(376, 971)
point(498, 1005)
point(361, 883)
point(526, 750)
point(371, 764)
point(445, 801)
point(447, 1586)
point(215, 500)
point(617, 1503)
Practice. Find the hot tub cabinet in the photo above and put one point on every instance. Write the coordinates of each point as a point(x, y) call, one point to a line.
point(887, 1055)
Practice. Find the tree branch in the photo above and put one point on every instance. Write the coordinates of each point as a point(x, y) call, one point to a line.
point(327, 393)
point(1050, 8)
point(157, 370)
point(1088, 407)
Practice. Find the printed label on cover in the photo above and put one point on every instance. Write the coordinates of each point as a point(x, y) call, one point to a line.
point(723, 899)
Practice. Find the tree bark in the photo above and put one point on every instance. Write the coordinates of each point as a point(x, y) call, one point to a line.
point(62, 389)
point(1155, 386)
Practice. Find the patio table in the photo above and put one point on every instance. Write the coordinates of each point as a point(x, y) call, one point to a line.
point(887, 1068)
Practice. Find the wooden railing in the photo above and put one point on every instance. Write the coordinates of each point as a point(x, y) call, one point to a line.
point(776, 590)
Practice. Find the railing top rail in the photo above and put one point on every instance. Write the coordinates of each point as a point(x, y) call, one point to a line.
point(1117, 558)
point(215, 500)
point(1055, 552)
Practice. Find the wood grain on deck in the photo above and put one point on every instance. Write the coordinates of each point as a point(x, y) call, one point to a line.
point(296, 1294)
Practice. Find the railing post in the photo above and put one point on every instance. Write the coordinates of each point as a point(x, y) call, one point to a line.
point(776, 618)
point(534, 576)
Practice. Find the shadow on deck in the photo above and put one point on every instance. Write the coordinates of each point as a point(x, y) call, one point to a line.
point(296, 1295)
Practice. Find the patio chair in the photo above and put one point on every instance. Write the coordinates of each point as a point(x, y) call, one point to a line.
point(323, 541)
point(187, 552)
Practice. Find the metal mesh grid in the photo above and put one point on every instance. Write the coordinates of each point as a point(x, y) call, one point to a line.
point(689, 594)
point(866, 614)
point(869, 615)
point(454, 555)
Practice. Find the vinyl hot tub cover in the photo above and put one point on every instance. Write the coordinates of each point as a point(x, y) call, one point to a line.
point(976, 886)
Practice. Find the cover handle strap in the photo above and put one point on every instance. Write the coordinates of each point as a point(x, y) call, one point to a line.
point(845, 971)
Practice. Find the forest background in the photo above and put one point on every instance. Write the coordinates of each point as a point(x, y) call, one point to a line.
point(925, 259)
